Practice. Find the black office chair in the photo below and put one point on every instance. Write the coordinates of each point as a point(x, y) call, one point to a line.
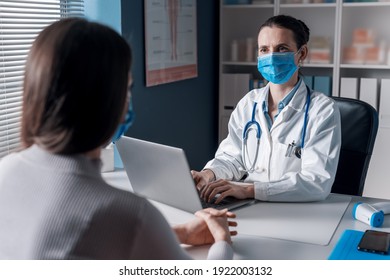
point(359, 126)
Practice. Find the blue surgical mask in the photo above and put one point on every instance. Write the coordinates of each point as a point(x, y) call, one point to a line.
point(277, 67)
point(123, 127)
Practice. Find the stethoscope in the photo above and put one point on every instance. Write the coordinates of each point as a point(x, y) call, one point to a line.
point(254, 125)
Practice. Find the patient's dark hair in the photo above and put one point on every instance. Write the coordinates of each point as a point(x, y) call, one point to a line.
point(299, 28)
point(75, 86)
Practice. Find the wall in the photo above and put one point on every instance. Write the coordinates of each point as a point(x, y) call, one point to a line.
point(184, 113)
point(106, 12)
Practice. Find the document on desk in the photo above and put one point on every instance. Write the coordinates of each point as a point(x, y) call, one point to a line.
point(307, 222)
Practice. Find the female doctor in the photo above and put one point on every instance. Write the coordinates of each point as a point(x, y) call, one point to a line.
point(284, 139)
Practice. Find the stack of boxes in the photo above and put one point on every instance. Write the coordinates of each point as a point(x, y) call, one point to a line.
point(364, 48)
point(319, 50)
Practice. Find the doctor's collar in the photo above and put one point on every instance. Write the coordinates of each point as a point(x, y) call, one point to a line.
point(298, 101)
point(286, 99)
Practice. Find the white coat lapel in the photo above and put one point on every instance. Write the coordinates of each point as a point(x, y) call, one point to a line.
point(296, 104)
point(260, 114)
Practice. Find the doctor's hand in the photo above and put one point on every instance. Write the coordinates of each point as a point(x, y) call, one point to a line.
point(203, 177)
point(227, 188)
point(209, 226)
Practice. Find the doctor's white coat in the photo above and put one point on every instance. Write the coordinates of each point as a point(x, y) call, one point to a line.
point(277, 177)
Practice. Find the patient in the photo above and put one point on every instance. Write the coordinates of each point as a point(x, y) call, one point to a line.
point(54, 203)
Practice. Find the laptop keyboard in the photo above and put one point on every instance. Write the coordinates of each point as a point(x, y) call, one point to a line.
point(225, 201)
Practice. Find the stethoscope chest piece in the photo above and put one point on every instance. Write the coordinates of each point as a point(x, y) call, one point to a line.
point(298, 152)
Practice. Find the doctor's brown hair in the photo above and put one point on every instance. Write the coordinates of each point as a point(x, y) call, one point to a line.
point(299, 28)
point(75, 87)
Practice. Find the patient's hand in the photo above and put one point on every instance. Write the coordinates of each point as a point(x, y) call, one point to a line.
point(209, 226)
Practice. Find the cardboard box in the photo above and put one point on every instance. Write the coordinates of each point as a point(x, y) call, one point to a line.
point(363, 36)
point(352, 55)
point(319, 56)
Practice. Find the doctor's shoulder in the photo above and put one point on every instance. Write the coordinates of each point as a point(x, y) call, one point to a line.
point(247, 101)
point(323, 103)
point(255, 95)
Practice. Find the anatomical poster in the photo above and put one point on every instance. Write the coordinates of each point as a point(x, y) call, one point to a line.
point(170, 41)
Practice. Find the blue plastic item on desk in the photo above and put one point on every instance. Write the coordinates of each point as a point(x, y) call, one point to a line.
point(117, 159)
point(368, 214)
point(346, 248)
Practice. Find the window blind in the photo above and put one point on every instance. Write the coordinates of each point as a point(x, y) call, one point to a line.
point(20, 23)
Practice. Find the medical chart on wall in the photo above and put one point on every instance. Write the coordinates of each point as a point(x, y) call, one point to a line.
point(170, 41)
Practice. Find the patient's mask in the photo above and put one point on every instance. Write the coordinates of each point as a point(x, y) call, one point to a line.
point(124, 126)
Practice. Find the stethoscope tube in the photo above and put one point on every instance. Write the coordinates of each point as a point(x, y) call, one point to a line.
point(247, 128)
point(253, 122)
point(308, 100)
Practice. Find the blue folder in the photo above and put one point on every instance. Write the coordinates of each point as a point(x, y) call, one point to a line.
point(346, 248)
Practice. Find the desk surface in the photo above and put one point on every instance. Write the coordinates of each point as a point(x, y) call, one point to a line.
point(256, 247)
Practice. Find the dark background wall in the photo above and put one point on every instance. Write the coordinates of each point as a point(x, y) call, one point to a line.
point(184, 113)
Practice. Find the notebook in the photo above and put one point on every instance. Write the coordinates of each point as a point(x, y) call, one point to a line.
point(162, 173)
point(346, 248)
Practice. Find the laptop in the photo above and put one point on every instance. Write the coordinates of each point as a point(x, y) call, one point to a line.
point(162, 173)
